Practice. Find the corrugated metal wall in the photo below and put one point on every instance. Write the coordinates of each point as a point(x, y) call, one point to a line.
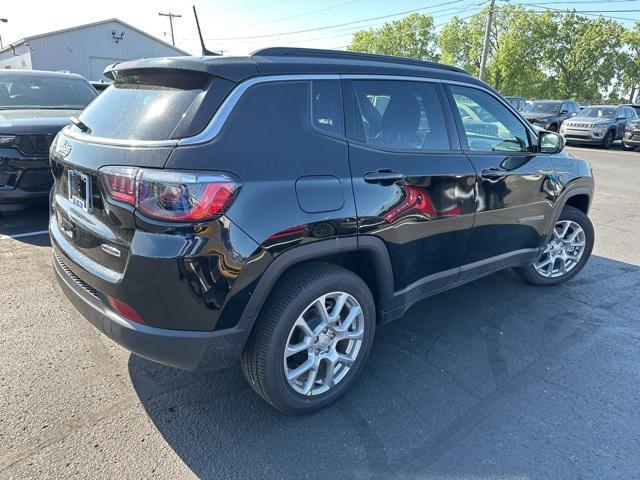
point(90, 49)
point(21, 58)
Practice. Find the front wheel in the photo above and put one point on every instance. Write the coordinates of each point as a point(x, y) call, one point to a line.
point(311, 339)
point(566, 251)
point(608, 139)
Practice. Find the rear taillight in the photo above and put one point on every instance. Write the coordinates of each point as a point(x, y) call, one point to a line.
point(120, 183)
point(171, 196)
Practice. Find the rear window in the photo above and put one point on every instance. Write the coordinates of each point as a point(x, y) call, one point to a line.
point(145, 106)
point(41, 92)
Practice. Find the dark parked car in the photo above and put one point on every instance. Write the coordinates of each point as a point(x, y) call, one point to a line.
point(549, 114)
point(519, 103)
point(599, 125)
point(278, 207)
point(34, 106)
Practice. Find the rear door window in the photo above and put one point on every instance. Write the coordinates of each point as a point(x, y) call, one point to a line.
point(326, 106)
point(147, 106)
point(400, 115)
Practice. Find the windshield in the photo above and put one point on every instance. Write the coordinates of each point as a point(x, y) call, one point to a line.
point(29, 92)
point(542, 107)
point(598, 112)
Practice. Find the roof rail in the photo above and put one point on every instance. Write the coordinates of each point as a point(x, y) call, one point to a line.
point(342, 55)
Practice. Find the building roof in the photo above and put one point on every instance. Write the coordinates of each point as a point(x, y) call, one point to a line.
point(142, 32)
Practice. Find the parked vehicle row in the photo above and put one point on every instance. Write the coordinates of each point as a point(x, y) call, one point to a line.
point(599, 125)
point(34, 106)
point(276, 208)
point(590, 124)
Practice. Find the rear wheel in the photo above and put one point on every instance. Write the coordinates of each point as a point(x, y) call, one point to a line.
point(312, 338)
point(566, 251)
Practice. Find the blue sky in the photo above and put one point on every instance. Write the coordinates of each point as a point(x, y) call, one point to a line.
point(228, 24)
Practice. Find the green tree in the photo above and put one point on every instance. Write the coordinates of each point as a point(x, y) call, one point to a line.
point(629, 65)
point(413, 37)
point(581, 56)
point(516, 43)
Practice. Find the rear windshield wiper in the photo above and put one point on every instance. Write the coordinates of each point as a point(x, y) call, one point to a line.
point(81, 125)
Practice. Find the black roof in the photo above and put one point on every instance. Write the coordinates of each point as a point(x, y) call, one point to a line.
point(292, 61)
point(13, 73)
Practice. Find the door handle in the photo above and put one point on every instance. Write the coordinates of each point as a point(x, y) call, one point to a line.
point(493, 173)
point(384, 176)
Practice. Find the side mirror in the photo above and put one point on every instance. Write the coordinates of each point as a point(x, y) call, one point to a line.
point(564, 112)
point(550, 142)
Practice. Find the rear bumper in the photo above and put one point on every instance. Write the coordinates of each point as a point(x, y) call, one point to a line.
point(188, 350)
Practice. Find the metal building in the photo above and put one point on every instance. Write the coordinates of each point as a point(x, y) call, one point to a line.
point(86, 49)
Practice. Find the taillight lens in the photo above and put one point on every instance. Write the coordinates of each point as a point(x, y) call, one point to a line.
point(120, 183)
point(184, 197)
point(171, 196)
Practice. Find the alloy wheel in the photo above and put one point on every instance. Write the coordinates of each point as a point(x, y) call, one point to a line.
point(563, 251)
point(323, 343)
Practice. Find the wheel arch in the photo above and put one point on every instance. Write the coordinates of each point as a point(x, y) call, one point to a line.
point(578, 197)
point(365, 256)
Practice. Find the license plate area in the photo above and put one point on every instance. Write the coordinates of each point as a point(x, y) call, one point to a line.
point(79, 188)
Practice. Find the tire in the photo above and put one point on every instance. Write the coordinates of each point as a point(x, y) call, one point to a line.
point(263, 360)
point(533, 273)
point(628, 148)
point(608, 139)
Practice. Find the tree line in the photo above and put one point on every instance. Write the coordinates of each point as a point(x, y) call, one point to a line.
point(532, 54)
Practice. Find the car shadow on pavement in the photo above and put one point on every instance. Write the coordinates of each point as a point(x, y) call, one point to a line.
point(22, 225)
point(493, 379)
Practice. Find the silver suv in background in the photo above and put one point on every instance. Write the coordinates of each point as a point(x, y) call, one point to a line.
point(598, 125)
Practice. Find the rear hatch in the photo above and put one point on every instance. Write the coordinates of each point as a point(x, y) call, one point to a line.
point(134, 123)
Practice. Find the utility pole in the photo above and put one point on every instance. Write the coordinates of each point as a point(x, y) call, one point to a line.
point(2, 20)
point(485, 45)
point(171, 17)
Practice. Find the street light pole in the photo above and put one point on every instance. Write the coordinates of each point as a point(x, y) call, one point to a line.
point(171, 17)
point(485, 45)
point(2, 20)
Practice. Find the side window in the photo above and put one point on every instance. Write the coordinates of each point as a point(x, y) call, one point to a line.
point(565, 107)
point(489, 126)
point(326, 106)
point(400, 115)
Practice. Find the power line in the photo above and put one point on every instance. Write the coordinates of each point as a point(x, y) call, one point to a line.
point(350, 31)
point(588, 14)
point(406, 12)
point(304, 14)
point(171, 17)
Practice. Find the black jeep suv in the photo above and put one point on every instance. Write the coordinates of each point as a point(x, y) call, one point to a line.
point(34, 106)
point(278, 207)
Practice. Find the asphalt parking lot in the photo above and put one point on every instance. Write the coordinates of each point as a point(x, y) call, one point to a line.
point(495, 379)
